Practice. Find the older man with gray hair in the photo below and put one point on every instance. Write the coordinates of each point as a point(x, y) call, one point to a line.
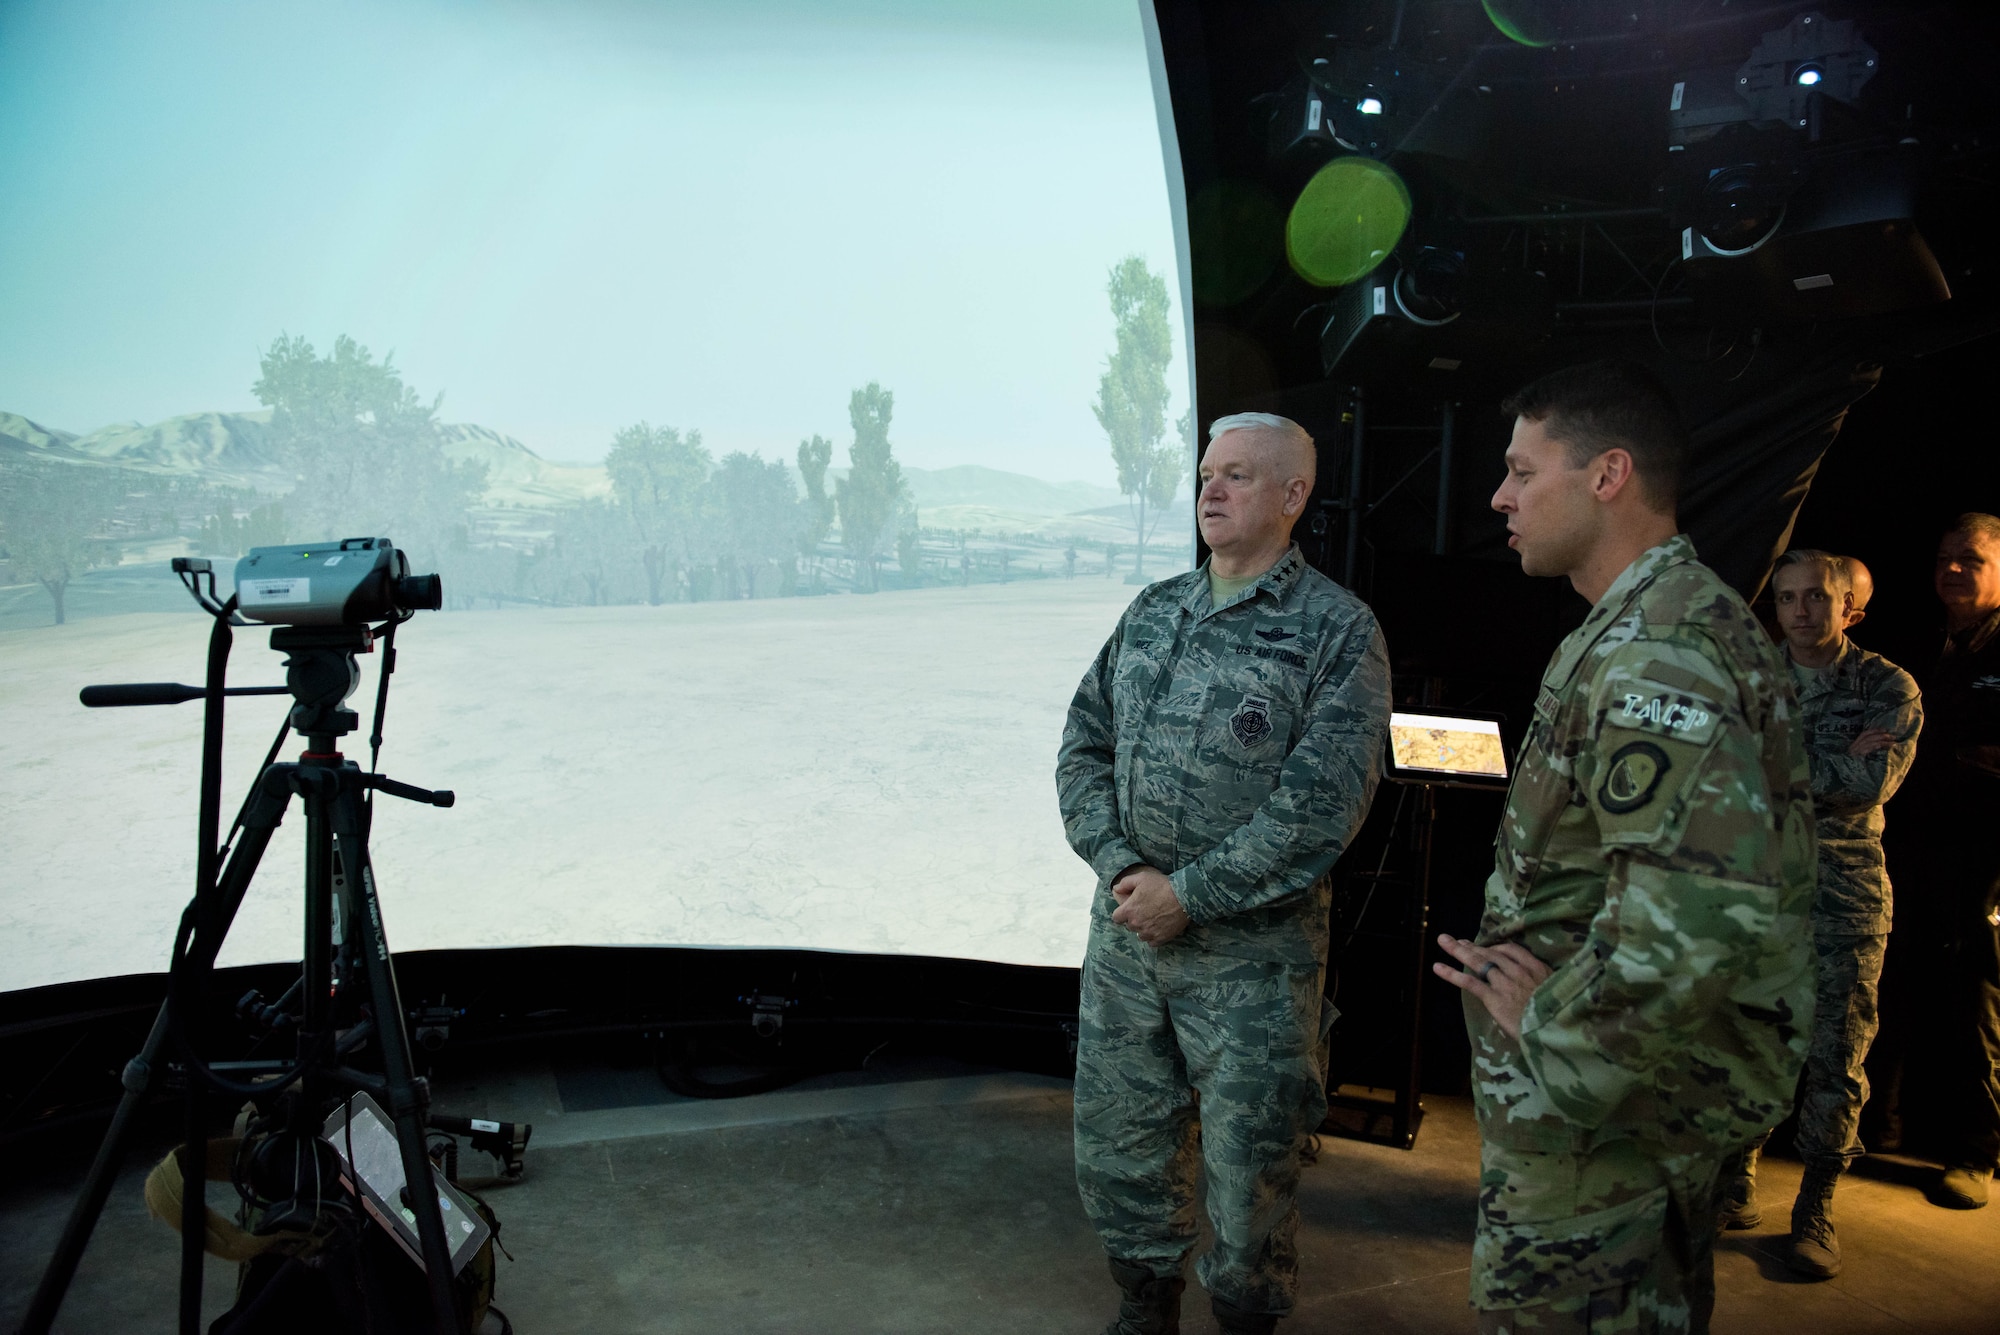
point(1219, 755)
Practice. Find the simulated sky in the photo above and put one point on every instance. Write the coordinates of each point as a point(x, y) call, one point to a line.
point(572, 216)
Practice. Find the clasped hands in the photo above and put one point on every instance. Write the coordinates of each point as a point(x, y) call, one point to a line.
point(1147, 905)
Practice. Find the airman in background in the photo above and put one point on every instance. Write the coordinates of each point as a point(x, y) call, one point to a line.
point(1639, 992)
point(1859, 715)
point(1946, 956)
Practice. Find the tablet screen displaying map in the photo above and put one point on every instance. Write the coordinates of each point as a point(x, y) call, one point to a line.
point(1440, 744)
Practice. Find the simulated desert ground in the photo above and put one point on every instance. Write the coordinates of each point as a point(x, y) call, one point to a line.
point(866, 773)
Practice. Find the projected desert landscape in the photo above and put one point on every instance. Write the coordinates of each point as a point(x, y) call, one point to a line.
point(678, 704)
point(684, 700)
point(870, 774)
point(771, 553)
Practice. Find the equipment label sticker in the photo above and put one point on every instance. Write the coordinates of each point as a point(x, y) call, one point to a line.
point(274, 592)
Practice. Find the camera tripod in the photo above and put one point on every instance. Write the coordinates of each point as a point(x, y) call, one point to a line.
point(343, 924)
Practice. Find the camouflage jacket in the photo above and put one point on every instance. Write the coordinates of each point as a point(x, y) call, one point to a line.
point(1235, 748)
point(1657, 853)
point(1837, 703)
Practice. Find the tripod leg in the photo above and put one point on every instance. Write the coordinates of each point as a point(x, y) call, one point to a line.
point(139, 1077)
point(89, 1205)
point(365, 919)
point(194, 1205)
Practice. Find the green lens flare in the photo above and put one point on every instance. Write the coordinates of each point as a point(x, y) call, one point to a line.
point(1528, 22)
point(1346, 221)
point(1237, 230)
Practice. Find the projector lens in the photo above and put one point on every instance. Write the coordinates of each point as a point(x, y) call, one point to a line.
point(1808, 75)
point(1346, 220)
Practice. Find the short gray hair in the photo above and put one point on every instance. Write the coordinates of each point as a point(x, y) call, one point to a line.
point(1284, 426)
point(1289, 435)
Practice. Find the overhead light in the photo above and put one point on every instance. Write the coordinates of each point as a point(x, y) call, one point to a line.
point(1805, 76)
point(1369, 106)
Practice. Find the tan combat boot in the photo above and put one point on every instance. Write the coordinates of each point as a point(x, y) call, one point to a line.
point(1813, 1249)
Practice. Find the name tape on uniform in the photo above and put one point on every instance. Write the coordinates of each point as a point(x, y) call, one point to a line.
point(1675, 715)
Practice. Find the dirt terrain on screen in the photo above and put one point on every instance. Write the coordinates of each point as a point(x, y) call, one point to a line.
point(869, 773)
point(1448, 750)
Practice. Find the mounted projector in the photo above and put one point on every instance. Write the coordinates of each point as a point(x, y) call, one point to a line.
point(1791, 74)
point(1790, 206)
point(1426, 319)
point(1370, 101)
point(1844, 243)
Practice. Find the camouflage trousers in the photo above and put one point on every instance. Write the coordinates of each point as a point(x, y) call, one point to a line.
point(1189, 1061)
point(1844, 1023)
point(1615, 1240)
point(1834, 1086)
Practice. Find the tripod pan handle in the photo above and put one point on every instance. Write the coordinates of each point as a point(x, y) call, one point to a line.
point(138, 693)
point(409, 792)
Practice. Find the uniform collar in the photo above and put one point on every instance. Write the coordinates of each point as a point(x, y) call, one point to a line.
point(1823, 679)
point(1677, 550)
point(1973, 638)
point(1278, 579)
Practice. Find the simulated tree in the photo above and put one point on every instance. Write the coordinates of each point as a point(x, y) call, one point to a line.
point(757, 511)
point(657, 475)
point(1132, 399)
point(49, 516)
point(366, 448)
point(872, 494)
point(816, 516)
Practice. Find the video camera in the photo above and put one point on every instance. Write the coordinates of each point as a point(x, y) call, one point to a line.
point(348, 583)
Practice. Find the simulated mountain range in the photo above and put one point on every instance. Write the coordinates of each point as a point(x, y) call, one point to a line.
point(236, 450)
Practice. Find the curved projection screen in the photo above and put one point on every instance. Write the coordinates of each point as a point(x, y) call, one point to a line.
point(734, 363)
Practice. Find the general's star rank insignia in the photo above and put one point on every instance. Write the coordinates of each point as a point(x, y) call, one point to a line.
point(1634, 776)
point(1251, 723)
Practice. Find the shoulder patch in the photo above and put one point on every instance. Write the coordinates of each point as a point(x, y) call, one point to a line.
point(1653, 707)
point(1633, 777)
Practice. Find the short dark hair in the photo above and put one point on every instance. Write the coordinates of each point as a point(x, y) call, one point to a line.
point(1605, 404)
point(1976, 525)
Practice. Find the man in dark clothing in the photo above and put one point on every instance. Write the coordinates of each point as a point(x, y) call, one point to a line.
point(1949, 937)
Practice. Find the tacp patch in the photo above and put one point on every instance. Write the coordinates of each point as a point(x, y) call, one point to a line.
point(1251, 723)
point(1664, 712)
point(1634, 776)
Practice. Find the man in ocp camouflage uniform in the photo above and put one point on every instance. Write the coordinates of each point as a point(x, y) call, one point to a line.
point(1219, 755)
point(1859, 715)
point(1639, 991)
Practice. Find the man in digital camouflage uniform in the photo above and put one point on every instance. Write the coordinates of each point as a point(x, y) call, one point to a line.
point(1859, 715)
point(1639, 993)
point(1219, 755)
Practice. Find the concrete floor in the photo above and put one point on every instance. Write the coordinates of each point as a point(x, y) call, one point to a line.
point(932, 1199)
